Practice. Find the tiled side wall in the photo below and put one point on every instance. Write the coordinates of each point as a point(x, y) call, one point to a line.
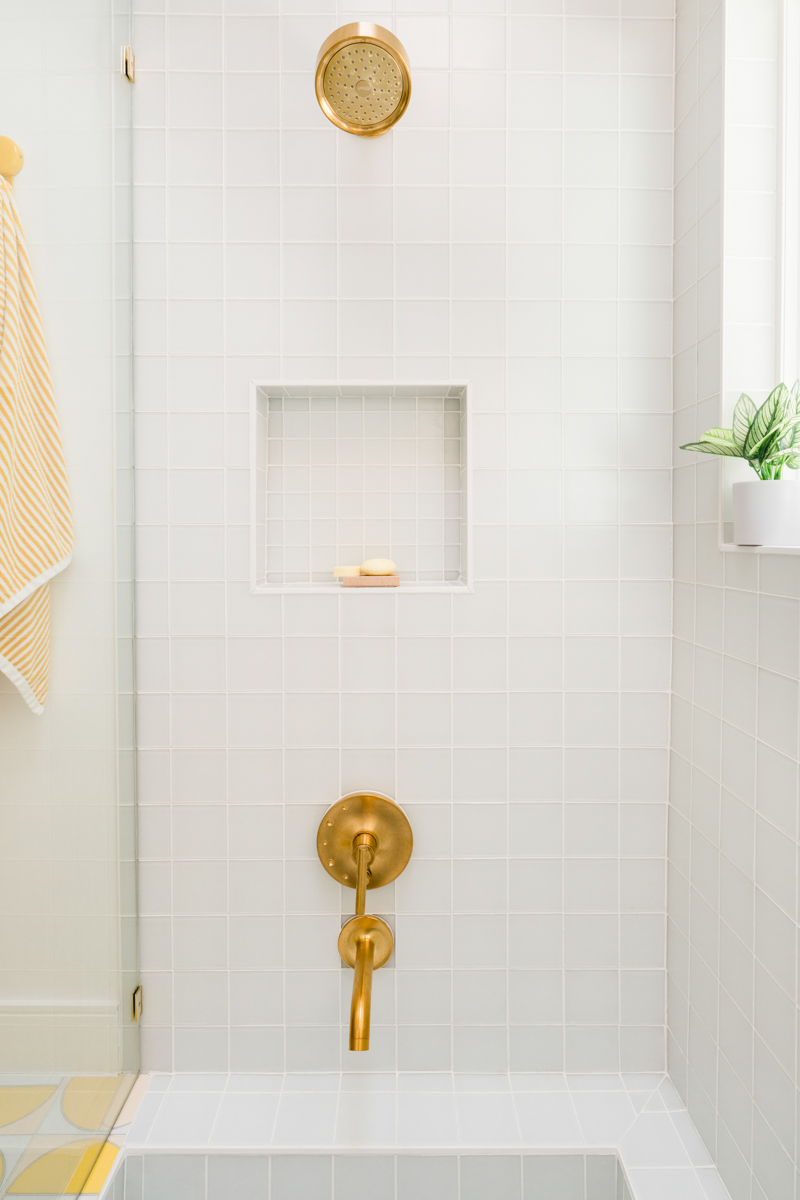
point(364, 1177)
point(515, 230)
point(733, 814)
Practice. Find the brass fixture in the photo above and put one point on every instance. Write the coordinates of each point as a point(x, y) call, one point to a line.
point(11, 159)
point(127, 63)
point(363, 79)
point(364, 841)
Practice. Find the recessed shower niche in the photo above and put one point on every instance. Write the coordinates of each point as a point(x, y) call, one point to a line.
point(341, 473)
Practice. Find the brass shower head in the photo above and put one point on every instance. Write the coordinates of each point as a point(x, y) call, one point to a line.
point(363, 80)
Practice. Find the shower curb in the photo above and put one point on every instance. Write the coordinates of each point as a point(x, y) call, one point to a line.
point(639, 1118)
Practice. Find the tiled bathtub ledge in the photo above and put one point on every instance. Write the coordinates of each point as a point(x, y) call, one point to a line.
point(638, 1117)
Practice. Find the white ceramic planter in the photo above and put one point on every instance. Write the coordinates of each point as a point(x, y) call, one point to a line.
point(766, 512)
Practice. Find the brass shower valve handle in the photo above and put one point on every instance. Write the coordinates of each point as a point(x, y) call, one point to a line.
point(364, 847)
point(364, 841)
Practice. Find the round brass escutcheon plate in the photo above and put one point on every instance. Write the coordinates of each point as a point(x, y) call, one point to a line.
point(365, 812)
point(374, 928)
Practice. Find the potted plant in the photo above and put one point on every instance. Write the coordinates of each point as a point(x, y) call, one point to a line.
point(766, 510)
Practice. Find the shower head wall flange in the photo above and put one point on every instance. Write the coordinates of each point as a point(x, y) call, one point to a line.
point(363, 79)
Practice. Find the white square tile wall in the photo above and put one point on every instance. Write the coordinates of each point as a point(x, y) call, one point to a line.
point(196, 1176)
point(359, 1177)
point(733, 845)
point(515, 232)
point(342, 474)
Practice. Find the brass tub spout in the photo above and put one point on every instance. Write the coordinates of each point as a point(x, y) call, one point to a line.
point(365, 943)
point(369, 832)
point(362, 995)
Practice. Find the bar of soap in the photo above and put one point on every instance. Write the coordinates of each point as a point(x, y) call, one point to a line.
point(378, 566)
point(345, 572)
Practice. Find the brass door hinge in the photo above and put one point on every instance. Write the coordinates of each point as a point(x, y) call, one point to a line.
point(136, 1004)
point(127, 64)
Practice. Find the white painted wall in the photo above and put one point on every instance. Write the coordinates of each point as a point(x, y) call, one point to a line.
point(60, 934)
point(515, 230)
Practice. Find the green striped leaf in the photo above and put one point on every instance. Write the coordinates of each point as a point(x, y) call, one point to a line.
point(787, 434)
point(765, 421)
point(716, 446)
point(793, 403)
point(743, 415)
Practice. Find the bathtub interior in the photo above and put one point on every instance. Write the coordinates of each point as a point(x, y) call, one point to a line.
point(369, 1177)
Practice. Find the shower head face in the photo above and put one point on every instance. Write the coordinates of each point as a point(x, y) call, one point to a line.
point(363, 85)
point(363, 81)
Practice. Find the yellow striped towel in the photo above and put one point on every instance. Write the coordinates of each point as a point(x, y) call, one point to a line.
point(35, 517)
